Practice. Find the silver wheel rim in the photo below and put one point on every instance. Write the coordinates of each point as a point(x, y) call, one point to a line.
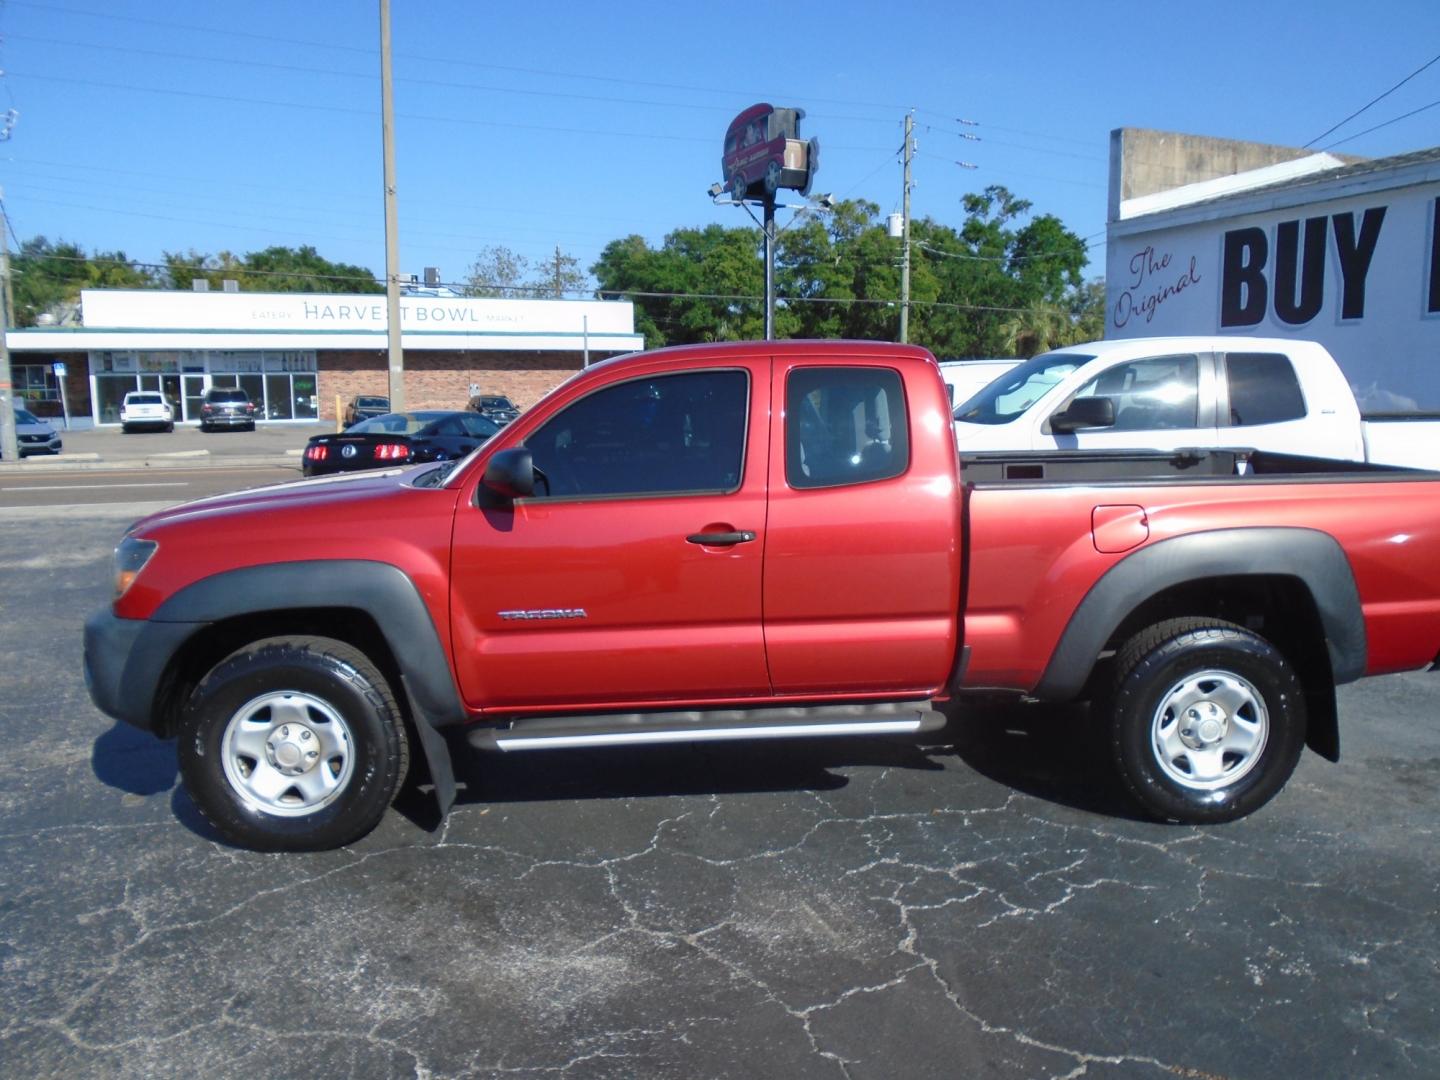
point(287, 753)
point(1209, 730)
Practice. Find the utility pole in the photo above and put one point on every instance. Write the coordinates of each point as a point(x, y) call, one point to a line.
point(9, 442)
point(392, 240)
point(905, 234)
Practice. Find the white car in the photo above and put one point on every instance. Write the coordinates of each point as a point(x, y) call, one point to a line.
point(146, 409)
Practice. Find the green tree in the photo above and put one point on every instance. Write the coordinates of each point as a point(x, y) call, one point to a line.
point(302, 269)
point(699, 285)
point(275, 269)
point(838, 275)
point(47, 276)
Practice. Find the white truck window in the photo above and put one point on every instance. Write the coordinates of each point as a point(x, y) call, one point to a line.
point(1263, 389)
point(1154, 393)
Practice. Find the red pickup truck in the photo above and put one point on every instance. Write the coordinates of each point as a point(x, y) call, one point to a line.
point(755, 541)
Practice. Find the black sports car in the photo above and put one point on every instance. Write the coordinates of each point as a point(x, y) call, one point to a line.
point(397, 439)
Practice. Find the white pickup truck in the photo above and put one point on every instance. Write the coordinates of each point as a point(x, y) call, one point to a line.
point(1167, 393)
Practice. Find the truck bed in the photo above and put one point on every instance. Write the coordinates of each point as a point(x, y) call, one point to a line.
point(1043, 527)
point(1202, 464)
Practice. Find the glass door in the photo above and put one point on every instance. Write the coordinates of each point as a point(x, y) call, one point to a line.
point(194, 394)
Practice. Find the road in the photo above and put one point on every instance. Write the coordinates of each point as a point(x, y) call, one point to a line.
point(88, 487)
point(983, 904)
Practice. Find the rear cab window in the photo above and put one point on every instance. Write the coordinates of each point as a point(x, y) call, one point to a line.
point(1264, 389)
point(844, 425)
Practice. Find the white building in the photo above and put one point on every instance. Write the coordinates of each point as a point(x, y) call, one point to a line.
point(299, 354)
point(1213, 237)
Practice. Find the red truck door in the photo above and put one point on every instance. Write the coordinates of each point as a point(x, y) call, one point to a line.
point(637, 577)
point(862, 561)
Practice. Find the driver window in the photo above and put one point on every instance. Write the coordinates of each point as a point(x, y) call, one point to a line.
point(650, 436)
point(1159, 392)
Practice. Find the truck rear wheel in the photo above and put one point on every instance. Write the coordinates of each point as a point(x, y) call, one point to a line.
point(1207, 720)
point(293, 744)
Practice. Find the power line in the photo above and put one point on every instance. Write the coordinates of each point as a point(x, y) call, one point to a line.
point(1360, 110)
point(1387, 123)
point(170, 27)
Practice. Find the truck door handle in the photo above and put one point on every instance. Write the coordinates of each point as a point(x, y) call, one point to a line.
point(721, 539)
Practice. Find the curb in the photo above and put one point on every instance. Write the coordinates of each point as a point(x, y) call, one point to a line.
point(186, 459)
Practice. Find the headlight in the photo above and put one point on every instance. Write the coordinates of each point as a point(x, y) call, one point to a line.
point(130, 558)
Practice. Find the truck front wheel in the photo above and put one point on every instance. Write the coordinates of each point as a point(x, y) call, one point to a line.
point(293, 744)
point(1207, 720)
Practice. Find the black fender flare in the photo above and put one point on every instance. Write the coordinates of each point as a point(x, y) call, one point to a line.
point(1313, 557)
point(382, 591)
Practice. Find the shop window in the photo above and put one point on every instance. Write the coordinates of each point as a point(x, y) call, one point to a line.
point(34, 382)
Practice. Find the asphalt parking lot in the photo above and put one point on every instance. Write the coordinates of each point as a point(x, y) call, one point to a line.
point(985, 904)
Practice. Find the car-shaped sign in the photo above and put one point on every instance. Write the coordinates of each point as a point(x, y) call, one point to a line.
point(764, 153)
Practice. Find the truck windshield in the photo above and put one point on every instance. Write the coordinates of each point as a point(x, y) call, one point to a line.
point(1015, 391)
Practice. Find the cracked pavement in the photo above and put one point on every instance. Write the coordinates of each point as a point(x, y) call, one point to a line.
point(984, 904)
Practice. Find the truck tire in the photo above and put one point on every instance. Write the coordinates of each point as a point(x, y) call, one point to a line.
point(1207, 720)
point(293, 744)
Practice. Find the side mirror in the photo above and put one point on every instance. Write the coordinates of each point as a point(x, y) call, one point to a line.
point(509, 475)
point(1085, 412)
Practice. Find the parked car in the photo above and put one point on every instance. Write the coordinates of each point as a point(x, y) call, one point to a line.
point(760, 540)
point(34, 435)
point(363, 407)
point(226, 406)
point(397, 439)
point(495, 407)
point(146, 409)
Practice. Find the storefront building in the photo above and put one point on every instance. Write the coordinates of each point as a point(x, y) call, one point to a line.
point(301, 356)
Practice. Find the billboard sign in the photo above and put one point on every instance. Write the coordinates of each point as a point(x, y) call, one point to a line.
point(764, 153)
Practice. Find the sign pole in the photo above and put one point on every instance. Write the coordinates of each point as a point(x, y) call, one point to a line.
point(64, 402)
point(770, 268)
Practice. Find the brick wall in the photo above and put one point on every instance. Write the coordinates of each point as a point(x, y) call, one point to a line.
point(441, 380)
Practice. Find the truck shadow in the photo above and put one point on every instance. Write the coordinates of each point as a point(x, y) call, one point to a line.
point(1054, 754)
point(1057, 753)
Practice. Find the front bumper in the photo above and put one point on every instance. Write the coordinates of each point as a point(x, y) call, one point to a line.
point(49, 446)
point(125, 661)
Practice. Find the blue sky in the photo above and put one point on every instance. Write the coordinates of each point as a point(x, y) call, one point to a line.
point(217, 125)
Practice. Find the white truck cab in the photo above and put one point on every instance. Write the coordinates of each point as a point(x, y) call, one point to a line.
point(1167, 393)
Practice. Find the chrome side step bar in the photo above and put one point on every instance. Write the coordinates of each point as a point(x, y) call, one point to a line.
point(638, 729)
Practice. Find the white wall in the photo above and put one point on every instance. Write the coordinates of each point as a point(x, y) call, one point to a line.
point(1221, 271)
